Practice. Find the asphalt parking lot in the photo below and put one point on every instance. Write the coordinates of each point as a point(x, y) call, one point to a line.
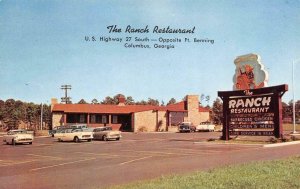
point(97, 164)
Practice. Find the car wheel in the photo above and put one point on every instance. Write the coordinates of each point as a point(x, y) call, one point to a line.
point(59, 140)
point(89, 140)
point(104, 138)
point(117, 138)
point(76, 139)
point(7, 143)
point(30, 143)
point(13, 142)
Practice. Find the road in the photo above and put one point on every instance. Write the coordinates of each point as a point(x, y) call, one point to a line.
point(97, 164)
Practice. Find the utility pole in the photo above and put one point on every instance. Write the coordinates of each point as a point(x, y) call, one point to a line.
point(66, 99)
point(42, 116)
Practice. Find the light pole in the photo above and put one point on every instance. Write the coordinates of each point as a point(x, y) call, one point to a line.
point(294, 113)
point(41, 120)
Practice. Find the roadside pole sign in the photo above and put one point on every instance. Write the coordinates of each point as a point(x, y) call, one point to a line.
point(252, 108)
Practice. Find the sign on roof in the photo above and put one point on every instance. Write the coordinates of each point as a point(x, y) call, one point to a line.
point(249, 73)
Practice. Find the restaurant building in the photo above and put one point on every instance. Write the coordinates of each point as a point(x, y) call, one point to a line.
point(131, 117)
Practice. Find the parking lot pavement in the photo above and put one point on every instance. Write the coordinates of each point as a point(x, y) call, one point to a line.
point(51, 164)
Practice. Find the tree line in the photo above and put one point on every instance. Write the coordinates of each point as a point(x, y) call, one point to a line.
point(128, 101)
point(16, 114)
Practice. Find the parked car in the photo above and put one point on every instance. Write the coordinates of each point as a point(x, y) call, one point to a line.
point(59, 129)
point(18, 137)
point(106, 133)
point(206, 126)
point(186, 127)
point(75, 135)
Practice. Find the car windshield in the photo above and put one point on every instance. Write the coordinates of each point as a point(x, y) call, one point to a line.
point(16, 132)
point(67, 131)
point(77, 126)
point(76, 130)
point(88, 129)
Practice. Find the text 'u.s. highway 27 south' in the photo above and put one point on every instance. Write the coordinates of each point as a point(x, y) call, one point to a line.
point(146, 38)
point(147, 42)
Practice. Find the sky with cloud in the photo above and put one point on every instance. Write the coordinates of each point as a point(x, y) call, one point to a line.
point(42, 46)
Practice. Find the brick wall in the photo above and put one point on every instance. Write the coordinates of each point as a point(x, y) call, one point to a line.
point(194, 115)
point(204, 116)
point(57, 119)
point(162, 120)
point(150, 121)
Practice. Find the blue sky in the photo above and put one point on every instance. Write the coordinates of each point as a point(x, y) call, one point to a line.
point(42, 47)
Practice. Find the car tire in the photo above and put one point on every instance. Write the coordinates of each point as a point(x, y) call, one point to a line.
point(30, 143)
point(59, 140)
point(13, 142)
point(104, 138)
point(76, 139)
point(89, 140)
point(117, 138)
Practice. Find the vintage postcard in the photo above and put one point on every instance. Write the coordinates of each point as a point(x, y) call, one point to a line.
point(108, 88)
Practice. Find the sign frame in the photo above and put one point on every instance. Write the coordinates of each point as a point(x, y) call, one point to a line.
point(276, 93)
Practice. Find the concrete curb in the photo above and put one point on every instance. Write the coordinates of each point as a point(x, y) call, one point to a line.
point(280, 144)
point(162, 132)
point(219, 143)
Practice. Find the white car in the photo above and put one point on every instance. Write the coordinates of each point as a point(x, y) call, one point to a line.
point(106, 133)
point(75, 135)
point(206, 126)
point(18, 137)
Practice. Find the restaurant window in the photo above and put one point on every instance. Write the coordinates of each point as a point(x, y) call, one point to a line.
point(82, 118)
point(98, 118)
point(76, 118)
point(177, 117)
point(93, 118)
point(114, 119)
point(104, 119)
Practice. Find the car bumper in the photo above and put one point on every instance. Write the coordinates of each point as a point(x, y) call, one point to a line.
point(113, 136)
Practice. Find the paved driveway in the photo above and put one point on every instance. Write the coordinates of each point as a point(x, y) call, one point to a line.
point(51, 164)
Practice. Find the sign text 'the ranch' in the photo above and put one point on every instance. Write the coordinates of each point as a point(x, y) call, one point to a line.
point(155, 29)
point(250, 105)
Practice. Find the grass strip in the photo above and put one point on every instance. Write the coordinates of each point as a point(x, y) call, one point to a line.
point(259, 175)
